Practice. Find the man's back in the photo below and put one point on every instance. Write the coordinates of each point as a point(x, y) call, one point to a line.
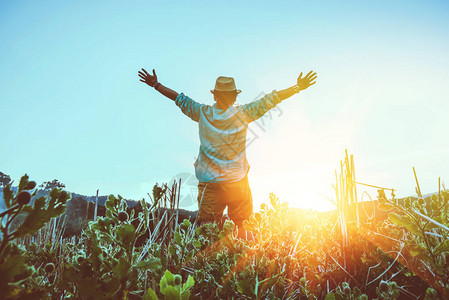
point(222, 155)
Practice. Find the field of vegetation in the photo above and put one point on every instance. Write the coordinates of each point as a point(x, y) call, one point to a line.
point(397, 250)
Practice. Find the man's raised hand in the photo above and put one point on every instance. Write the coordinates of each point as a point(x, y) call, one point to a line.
point(147, 78)
point(305, 82)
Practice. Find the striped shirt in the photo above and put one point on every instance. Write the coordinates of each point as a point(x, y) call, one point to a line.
point(222, 154)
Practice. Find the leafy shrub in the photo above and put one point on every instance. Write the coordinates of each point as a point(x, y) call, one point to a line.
point(109, 265)
point(421, 227)
point(380, 259)
point(16, 273)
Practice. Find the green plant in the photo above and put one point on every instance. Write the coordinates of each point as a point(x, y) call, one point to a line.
point(344, 292)
point(388, 290)
point(424, 234)
point(16, 272)
point(172, 288)
point(112, 265)
point(295, 255)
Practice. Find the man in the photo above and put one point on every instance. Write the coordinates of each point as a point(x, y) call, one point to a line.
point(221, 167)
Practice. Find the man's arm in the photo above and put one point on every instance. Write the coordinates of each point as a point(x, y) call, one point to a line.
point(301, 84)
point(257, 109)
point(187, 105)
point(151, 80)
point(288, 92)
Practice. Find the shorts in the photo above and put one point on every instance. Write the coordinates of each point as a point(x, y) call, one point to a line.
point(213, 197)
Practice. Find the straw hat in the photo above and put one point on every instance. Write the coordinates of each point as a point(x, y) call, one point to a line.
point(225, 84)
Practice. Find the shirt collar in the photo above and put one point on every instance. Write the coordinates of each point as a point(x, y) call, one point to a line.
point(216, 105)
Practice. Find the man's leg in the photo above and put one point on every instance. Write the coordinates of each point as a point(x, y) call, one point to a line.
point(240, 203)
point(210, 202)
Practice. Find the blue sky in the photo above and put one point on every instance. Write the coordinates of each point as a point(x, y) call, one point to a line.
point(73, 108)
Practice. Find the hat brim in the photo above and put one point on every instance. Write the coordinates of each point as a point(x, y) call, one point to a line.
point(238, 91)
